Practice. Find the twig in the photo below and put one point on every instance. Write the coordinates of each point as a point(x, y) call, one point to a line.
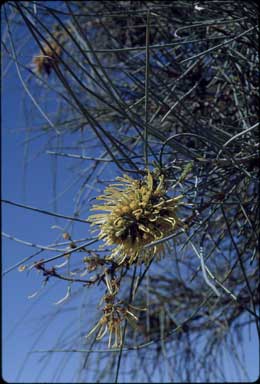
point(44, 211)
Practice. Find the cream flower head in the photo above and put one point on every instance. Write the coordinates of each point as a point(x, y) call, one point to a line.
point(136, 213)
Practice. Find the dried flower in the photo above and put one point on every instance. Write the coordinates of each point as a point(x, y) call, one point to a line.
point(44, 62)
point(112, 322)
point(137, 212)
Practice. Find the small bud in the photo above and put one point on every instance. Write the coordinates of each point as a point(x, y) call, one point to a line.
point(22, 268)
point(66, 236)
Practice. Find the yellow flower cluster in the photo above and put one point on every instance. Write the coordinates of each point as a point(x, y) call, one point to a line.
point(136, 213)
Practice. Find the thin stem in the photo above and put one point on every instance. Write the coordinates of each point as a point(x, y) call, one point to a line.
point(44, 211)
point(147, 60)
point(124, 330)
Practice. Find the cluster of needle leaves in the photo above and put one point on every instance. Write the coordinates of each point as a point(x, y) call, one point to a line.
point(139, 85)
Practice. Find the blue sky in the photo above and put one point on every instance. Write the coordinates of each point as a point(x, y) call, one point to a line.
point(22, 316)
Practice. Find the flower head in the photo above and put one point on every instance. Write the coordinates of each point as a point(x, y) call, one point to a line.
point(136, 213)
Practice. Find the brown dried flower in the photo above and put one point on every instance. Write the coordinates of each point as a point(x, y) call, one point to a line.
point(48, 57)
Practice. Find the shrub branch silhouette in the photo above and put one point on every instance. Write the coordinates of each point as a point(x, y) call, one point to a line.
point(164, 95)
